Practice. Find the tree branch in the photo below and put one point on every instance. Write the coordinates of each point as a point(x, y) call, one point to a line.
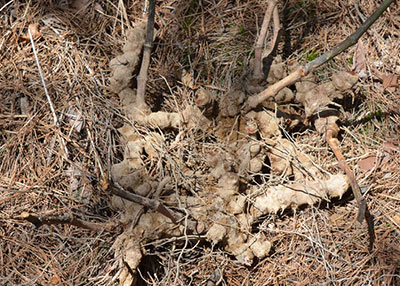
point(153, 204)
point(331, 134)
point(350, 41)
point(277, 27)
point(255, 100)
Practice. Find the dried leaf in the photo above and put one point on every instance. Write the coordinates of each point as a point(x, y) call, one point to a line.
point(34, 28)
point(75, 119)
point(390, 147)
point(187, 80)
point(389, 150)
point(98, 8)
point(390, 82)
point(359, 59)
point(344, 80)
point(367, 164)
point(74, 174)
point(373, 161)
point(338, 219)
point(25, 106)
point(79, 4)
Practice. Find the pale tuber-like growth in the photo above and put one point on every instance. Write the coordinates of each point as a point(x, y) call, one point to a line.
point(281, 197)
point(223, 206)
point(124, 65)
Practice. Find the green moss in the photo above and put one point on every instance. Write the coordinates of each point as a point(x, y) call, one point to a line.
point(242, 31)
point(350, 60)
point(369, 127)
point(189, 19)
point(378, 115)
point(187, 23)
point(309, 7)
point(312, 55)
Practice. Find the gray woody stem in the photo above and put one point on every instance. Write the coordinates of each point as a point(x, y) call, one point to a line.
point(257, 73)
point(153, 204)
point(148, 45)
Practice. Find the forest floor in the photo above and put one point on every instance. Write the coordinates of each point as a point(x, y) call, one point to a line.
point(60, 134)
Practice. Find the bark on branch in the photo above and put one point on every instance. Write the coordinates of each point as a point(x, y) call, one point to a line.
point(148, 45)
point(257, 72)
point(153, 204)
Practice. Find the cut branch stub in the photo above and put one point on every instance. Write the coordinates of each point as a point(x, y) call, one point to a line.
point(332, 131)
point(331, 134)
point(257, 73)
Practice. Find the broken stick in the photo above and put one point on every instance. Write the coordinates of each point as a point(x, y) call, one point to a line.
point(153, 204)
point(331, 134)
point(363, 212)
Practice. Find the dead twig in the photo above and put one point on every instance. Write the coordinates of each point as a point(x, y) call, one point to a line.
point(277, 27)
point(55, 118)
point(70, 219)
point(148, 45)
point(331, 134)
point(155, 205)
point(257, 72)
point(118, 190)
point(363, 212)
point(255, 100)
